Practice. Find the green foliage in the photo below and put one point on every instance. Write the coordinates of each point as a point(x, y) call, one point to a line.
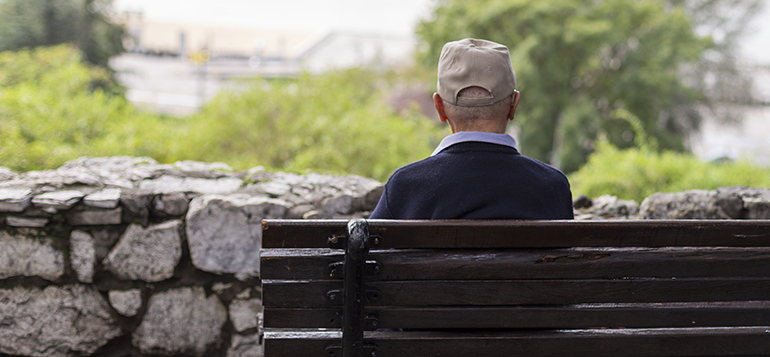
point(578, 61)
point(84, 23)
point(51, 111)
point(335, 122)
point(53, 108)
point(639, 172)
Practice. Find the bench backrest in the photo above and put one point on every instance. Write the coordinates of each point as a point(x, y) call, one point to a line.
point(503, 288)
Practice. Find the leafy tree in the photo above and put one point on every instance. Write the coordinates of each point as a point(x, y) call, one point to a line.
point(578, 61)
point(85, 23)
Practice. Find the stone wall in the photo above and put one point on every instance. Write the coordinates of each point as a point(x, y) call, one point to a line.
point(125, 257)
point(722, 203)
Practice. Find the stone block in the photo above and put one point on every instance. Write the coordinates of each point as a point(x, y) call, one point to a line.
point(220, 287)
point(274, 189)
point(299, 211)
point(243, 313)
point(170, 205)
point(105, 238)
point(29, 256)
point(95, 217)
point(339, 204)
point(223, 185)
point(196, 166)
point(180, 321)
point(757, 207)
point(164, 184)
point(15, 199)
point(292, 179)
point(29, 222)
point(245, 346)
point(694, 204)
point(171, 184)
point(744, 202)
point(146, 254)
point(318, 194)
point(136, 206)
point(59, 200)
point(126, 303)
point(83, 255)
point(582, 201)
point(106, 198)
point(295, 199)
point(314, 214)
point(244, 294)
point(373, 197)
point(365, 191)
point(730, 201)
point(67, 321)
point(223, 232)
point(613, 206)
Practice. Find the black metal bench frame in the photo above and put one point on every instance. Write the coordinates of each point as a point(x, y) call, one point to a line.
point(733, 312)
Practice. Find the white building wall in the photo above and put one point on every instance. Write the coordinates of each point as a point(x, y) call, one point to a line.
point(342, 50)
point(749, 139)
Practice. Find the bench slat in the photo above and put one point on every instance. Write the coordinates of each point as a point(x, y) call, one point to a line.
point(746, 341)
point(525, 234)
point(282, 293)
point(301, 233)
point(528, 264)
point(753, 313)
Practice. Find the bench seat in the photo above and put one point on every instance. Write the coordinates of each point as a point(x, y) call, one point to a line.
point(508, 288)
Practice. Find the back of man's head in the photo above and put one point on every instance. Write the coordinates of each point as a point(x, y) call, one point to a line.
point(475, 63)
point(475, 78)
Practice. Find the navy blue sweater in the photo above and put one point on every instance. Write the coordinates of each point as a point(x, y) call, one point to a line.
point(476, 180)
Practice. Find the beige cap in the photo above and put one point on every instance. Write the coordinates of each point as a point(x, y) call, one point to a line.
point(480, 63)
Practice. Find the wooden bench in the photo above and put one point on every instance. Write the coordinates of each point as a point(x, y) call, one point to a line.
point(516, 288)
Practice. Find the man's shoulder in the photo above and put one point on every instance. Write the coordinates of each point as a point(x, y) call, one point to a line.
point(543, 167)
point(415, 170)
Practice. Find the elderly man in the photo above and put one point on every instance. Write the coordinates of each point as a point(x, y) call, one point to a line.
point(476, 172)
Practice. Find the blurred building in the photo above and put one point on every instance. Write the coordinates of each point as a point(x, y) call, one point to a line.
point(176, 67)
point(306, 51)
point(748, 139)
point(184, 39)
point(342, 49)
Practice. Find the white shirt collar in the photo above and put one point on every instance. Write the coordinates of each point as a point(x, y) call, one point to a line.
point(463, 136)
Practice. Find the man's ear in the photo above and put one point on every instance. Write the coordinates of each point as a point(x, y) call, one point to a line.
point(514, 104)
point(439, 104)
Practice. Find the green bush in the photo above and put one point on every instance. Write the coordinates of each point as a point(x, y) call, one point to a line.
point(54, 108)
point(637, 173)
point(335, 122)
